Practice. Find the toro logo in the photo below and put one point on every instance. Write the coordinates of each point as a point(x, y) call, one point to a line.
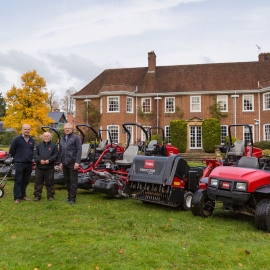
point(149, 164)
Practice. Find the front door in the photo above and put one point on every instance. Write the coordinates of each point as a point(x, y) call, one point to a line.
point(195, 137)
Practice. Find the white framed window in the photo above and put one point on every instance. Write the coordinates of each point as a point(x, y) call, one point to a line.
point(113, 104)
point(266, 101)
point(100, 105)
point(130, 129)
point(168, 133)
point(142, 133)
point(114, 131)
point(169, 104)
point(195, 103)
point(266, 132)
point(247, 135)
point(146, 105)
point(224, 133)
point(248, 103)
point(129, 105)
point(222, 101)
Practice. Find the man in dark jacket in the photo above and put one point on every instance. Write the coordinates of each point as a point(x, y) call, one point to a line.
point(21, 149)
point(45, 155)
point(70, 158)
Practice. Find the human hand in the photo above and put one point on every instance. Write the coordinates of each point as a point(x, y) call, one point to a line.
point(76, 166)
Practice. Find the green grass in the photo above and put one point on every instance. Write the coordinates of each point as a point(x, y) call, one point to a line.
point(100, 232)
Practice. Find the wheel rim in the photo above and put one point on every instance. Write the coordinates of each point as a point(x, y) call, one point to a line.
point(188, 201)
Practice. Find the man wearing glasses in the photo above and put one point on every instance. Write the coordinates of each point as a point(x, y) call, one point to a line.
point(70, 158)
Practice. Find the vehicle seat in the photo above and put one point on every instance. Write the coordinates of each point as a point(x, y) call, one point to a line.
point(248, 162)
point(128, 156)
point(238, 149)
point(102, 145)
point(151, 147)
point(85, 151)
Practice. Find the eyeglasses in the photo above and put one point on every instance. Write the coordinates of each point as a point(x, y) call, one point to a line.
point(67, 128)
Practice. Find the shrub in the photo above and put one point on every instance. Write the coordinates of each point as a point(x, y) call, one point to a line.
point(7, 137)
point(263, 145)
point(227, 139)
point(178, 130)
point(210, 134)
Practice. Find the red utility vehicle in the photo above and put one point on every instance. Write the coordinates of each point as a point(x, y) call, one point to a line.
point(241, 188)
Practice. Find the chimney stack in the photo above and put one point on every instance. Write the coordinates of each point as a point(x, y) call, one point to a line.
point(151, 62)
point(264, 57)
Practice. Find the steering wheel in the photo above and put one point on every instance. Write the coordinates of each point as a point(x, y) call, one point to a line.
point(264, 161)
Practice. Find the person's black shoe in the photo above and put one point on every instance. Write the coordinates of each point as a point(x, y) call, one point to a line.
point(51, 198)
point(71, 202)
point(36, 199)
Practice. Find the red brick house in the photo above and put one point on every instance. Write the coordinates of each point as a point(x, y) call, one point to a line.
point(155, 95)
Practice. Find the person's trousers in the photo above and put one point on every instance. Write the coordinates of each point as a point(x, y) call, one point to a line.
point(71, 180)
point(44, 176)
point(21, 180)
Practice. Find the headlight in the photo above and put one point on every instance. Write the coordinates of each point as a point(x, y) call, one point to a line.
point(241, 186)
point(214, 182)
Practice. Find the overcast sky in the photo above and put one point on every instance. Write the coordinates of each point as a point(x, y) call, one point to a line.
point(70, 42)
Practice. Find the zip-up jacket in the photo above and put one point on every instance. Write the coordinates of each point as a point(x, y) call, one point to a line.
point(22, 151)
point(46, 151)
point(70, 150)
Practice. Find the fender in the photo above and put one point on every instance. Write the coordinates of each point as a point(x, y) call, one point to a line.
point(265, 190)
point(203, 183)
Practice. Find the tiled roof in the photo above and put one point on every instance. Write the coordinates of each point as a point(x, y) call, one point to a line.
point(56, 116)
point(181, 78)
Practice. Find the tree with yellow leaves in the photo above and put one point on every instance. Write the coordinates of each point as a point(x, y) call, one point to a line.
point(28, 104)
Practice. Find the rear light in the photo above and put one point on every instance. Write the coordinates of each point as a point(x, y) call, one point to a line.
point(176, 182)
point(214, 182)
point(241, 186)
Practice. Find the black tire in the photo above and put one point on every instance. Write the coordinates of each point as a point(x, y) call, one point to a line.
point(2, 192)
point(188, 196)
point(201, 205)
point(262, 215)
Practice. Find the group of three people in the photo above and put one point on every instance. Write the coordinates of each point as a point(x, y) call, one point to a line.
point(45, 154)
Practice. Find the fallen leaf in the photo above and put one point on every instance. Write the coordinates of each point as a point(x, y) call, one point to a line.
point(96, 267)
point(48, 235)
point(240, 264)
point(171, 219)
point(121, 251)
point(49, 264)
point(247, 251)
point(13, 236)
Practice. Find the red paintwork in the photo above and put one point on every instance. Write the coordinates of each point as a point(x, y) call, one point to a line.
point(3, 155)
point(255, 178)
point(256, 152)
point(171, 150)
point(202, 186)
point(119, 148)
point(178, 183)
point(210, 165)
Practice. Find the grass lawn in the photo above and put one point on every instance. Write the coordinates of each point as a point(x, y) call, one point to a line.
point(100, 232)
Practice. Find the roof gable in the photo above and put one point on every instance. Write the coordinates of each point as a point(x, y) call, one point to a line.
point(58, 117)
